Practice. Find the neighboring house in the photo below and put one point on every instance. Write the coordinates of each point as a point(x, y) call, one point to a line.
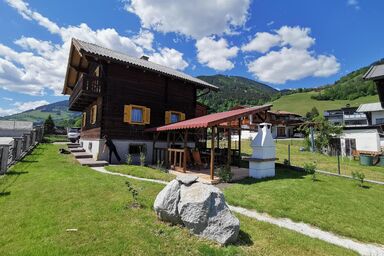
point(347, 117)
point(362, 129)
point(121, 96)
point(284, 124)
point(376, 73)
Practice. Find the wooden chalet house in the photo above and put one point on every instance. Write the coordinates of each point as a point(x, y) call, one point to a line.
point(121, 97)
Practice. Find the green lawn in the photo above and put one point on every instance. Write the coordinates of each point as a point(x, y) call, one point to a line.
point(301, 103)
point(323, 162)
point(55, 138)
point(331, 203)
point(141, 171)
point(48, 193)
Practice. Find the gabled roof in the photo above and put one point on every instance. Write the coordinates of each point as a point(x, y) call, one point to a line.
point(370, 107)
point(211, 120)
point(375, 72)
point(115, 56)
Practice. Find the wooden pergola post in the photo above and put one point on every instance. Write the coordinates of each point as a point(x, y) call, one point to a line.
point(166, 151)
point(229, 156)
point(185, 151)
point(239, 163)
point(155, 135)
point(212, 163)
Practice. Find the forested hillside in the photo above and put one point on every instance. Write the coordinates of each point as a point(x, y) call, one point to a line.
point(235, 90)
point(349, 87)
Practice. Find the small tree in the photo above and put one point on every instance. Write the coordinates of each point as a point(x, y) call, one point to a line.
point(225, 173)
point(49, 125)
point(310, 168)
point(312, 114)
point(359, 176)
point(129, 159)
point(135, 194)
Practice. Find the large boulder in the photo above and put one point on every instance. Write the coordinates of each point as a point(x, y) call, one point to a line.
point(199, 207)
point(166, 203)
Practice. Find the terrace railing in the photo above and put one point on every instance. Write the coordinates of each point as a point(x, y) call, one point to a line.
point(87, 89)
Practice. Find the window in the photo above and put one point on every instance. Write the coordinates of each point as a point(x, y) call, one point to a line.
point(136, 149)
point(134, 114)
point(93, 114)
point(379, 120)
point(173, 117)
point(84, 120)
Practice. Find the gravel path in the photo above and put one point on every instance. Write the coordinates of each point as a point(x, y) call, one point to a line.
point(302, 228)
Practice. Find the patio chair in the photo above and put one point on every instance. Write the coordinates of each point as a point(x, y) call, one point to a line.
point(197, 159)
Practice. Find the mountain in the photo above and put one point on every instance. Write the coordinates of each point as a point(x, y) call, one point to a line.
point(58, 110)
point(236, 90)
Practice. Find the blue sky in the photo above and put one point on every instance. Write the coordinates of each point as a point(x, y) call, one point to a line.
point(285, 44)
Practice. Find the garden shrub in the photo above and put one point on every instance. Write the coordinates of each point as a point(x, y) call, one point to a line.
point(225, 173)
point(310, 168)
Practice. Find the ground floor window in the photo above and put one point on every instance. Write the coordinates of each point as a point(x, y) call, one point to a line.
point(379, 120)
point(136, 149)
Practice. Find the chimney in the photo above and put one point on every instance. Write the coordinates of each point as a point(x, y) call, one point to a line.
point(144, 57)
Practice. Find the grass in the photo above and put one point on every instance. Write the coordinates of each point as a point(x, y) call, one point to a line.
point(331, 203)
point(141, 171)
point(323, 162)
point(301, 103)
point(55, 138)
point(47, 193)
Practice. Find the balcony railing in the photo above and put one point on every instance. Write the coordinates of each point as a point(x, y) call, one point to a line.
point(86, 90)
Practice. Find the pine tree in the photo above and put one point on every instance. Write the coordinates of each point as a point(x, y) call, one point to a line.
point(49, 125)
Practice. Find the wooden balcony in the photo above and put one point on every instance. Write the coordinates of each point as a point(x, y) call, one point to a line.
point(86, 90)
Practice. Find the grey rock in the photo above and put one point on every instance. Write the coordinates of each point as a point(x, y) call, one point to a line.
point(203, 210)
point(186, 179)
point(166, 203)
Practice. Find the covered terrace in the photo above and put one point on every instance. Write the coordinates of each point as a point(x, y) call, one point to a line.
point(205, 141)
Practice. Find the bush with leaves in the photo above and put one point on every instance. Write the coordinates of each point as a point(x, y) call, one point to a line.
point(160, 166)
point(310, 168)
point(129, 159)
point(49, 125)
point(225, 173)
point(359, 176)
point(286, 162)
point(142, 158)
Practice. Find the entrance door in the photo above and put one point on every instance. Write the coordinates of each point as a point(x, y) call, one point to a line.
point(281, 132)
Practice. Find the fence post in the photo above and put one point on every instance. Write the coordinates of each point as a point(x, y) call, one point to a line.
point(4, 158)
point(338, 162)
point(289, 154)
point(19, 147)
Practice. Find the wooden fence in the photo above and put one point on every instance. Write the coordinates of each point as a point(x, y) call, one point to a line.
point(18, 147)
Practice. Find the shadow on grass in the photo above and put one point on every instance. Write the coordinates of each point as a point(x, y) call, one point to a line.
point(281, 174)
point(5, 193)
point(244, 239)
point(13, 172)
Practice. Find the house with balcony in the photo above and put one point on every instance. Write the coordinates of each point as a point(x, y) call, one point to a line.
point(122, 97)
point(362, 131)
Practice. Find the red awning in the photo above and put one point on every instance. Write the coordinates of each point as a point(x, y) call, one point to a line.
point(212, 119)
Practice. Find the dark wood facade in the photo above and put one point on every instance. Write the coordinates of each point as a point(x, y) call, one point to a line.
point(118, 85)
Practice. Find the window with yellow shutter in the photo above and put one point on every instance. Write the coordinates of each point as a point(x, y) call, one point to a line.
point(93, 114)
point(134, 114)
point(173, 117)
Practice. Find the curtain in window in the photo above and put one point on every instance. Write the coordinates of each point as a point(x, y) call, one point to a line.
point(175, 118)
point(137, 115)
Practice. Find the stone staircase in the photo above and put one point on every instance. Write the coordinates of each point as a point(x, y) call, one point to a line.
point(83, 157)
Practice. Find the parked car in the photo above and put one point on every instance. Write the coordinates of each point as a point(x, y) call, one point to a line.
point(73, 134)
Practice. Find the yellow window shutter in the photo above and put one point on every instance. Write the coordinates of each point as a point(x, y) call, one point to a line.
point(182, 116)
point(94, 114)
point(84, 118)
point(127, 113)
point(147, 116)
point(168, 117)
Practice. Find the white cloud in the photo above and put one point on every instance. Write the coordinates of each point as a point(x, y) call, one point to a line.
point(42, 64)
point(170, 58)
point(7, 98)
point(292, 60)
point(292, 64)
point(354, 3)
point(22, 106)
point(215, 54)
point(262, 42)
point(196, 18)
